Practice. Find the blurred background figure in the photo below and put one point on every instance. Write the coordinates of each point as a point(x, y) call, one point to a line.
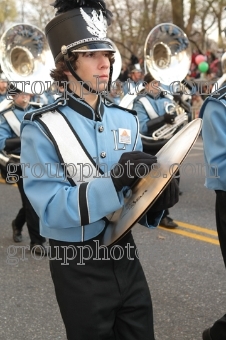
point(10, 121)
point(135, 79)
point(124, 74)
point(154, 110)
point(3, 87)
point(116, 92)
point(45, 98)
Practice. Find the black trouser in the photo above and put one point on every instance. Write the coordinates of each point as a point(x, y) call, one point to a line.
point(28, 215)
point(177, 176)
point(102, 299)
point(166, 213)
point(218, 330)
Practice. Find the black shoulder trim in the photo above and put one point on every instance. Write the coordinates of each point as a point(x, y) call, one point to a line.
point(161, 94)
point(187, 84)
point(83, 204)
point(36, 105)
point(6, 110)
point(32, 115)
point(110, 104)
point(107, 100)
point(219, 93)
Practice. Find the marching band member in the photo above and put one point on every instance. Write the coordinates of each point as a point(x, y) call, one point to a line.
point(10, 121)
point(150, 106)
point(101, 294)
point(213, 114)
point(3, 87)
point(131, 84)
point(45, 98)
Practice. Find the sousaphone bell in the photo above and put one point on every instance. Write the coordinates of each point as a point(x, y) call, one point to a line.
point(26, 61)
point(167, 56)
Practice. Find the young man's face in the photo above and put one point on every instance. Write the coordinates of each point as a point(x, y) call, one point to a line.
point(3, 86)
point(136, 76)
point(93, 68)
point(22, 100)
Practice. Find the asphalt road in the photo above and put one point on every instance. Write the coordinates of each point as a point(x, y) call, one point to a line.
point(184, 269)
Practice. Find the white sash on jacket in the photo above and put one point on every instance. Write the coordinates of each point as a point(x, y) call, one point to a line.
point(71, 151)
point(148, 107)
point(13, 122)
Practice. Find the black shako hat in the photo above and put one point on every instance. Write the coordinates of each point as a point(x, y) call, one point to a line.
point(79, 26)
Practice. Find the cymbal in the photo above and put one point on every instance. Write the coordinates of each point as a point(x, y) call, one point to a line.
point(146, 190)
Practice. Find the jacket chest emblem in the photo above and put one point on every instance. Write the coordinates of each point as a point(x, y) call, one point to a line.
point(121, 137)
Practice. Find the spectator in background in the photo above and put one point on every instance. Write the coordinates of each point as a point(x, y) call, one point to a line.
point(215, 68)
point(124, 74)
point(197, 102)
point(194, 71)
point(134, 60)
point(131, 84)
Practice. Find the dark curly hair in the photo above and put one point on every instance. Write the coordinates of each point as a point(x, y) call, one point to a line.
point(58, 74)
point(148, 78)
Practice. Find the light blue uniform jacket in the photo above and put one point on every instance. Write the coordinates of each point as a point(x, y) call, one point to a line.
point(5, 129)
point(131, 87)
point(213, 113)
point(56, 201)
point(45, 98)
point(158, 105)
point(2, 97)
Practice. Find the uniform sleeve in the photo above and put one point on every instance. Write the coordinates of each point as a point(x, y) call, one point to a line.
point(156, 218)
point(58, 203)
point(142, 117)
point(147, 125)
point(5, 132)
point(214, 143)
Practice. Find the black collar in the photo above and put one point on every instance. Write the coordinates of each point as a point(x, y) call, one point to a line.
point(159, 95)
point(83, 108)
point(20, 108)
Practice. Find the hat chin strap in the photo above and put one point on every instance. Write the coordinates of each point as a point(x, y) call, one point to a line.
point(68, 63)
point(88, 88)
